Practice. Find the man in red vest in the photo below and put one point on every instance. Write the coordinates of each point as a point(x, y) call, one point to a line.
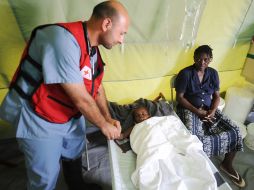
point(57, 82)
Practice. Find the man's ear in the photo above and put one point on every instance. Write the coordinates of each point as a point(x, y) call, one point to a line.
point(106, 24)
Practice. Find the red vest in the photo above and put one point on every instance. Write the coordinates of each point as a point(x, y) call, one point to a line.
point(50, 100)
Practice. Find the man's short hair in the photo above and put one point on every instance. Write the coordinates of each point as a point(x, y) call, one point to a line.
point(104, 10)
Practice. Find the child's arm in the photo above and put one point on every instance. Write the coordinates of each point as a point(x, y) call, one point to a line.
point(126, 133)
point(161, 96)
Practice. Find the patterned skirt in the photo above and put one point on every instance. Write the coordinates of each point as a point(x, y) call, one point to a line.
point(221, 137)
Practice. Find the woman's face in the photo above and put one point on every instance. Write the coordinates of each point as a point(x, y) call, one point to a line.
point(141, 114)
point(202, 61)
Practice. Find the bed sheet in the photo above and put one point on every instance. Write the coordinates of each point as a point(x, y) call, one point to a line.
point(123, 165)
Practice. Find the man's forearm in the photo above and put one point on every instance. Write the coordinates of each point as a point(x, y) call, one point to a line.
point(91, 111)
point(85, 103)
point(102, 103)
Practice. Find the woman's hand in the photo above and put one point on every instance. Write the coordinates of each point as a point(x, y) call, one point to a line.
point(201, 113)
point(209, 116)
point(210, 113)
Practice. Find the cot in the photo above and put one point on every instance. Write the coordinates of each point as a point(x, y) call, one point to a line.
point(123, 163)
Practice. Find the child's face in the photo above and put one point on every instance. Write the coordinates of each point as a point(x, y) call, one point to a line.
point(141, 114)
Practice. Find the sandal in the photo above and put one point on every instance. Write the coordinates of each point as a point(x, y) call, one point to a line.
point(236, 179)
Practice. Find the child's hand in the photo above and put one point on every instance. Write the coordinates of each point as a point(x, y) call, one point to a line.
point(121, 137)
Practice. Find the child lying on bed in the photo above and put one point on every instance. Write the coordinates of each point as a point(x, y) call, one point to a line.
point(168, 156)
point(139, 114)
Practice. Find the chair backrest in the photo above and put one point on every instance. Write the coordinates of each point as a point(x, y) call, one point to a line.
point(172, 86)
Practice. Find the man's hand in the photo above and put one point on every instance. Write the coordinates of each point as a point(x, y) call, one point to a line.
point(116, 123)
point(111, 131)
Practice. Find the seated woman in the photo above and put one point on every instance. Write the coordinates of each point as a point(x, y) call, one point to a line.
point(197, 94)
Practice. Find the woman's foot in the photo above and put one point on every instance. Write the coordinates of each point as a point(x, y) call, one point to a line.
point(233, 175)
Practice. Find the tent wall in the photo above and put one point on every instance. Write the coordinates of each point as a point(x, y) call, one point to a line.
point(161, 40)
point(248, 69)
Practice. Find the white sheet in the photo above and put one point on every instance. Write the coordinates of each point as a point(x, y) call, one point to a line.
point(168, 157)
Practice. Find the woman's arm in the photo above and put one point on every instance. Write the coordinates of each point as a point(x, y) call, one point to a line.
point(214, 105)
point(215, 96)
point(186, 104)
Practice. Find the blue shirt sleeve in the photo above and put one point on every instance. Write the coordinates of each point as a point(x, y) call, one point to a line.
point(216, 81)
point(59, 53)
point(181, 82)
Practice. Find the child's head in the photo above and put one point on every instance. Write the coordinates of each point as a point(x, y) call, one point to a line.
point(140, 114)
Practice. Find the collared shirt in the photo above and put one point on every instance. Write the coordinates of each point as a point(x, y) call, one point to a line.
point(197, 93)
point(59, 53)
